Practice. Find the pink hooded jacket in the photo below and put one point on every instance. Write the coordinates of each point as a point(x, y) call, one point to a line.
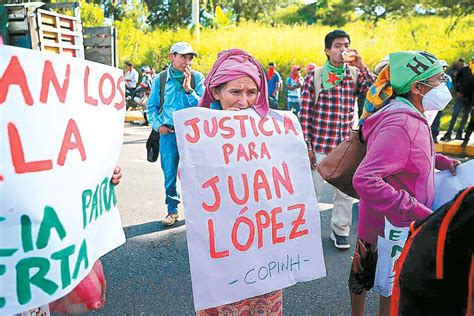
point(396, 177)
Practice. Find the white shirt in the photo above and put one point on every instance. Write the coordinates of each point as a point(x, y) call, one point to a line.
point(131, 79)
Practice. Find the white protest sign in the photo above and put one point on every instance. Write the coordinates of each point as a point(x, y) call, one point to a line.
point(447, 185)
point(61, 132)
point(389, 250)
point(252, 218)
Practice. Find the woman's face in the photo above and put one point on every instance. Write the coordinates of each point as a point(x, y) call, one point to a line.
point(237, 94)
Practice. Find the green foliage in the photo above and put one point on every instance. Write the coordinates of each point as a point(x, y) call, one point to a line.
point(376, 10)
point(91, 14)
point(298, 44)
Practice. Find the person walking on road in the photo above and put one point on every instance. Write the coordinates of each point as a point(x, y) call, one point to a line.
point(293, 88)
point(178, 94)
point(395, 180)
point(327, 114)
point(459, 103)
point(237, 81)
point(274, 85)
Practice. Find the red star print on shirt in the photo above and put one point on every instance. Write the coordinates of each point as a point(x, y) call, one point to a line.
point(332, 78)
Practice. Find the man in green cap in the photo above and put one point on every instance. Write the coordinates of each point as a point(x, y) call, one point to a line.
point(395, 180)
point(328, 103)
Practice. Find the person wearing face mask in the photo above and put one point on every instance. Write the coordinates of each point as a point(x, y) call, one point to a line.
point(236, 82)
point(395, 180)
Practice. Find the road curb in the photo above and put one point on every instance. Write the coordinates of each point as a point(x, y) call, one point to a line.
point(454, 148)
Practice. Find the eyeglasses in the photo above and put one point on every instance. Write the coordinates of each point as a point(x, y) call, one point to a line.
point(441, 80)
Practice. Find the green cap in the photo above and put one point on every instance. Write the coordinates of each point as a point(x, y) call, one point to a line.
point(410, 66)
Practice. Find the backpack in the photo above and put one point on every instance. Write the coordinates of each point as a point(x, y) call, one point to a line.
point(435, 272)
point(153, 141)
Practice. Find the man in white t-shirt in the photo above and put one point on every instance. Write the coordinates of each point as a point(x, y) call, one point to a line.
point(131, 78)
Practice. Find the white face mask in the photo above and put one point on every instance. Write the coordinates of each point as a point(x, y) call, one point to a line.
point(437, 98)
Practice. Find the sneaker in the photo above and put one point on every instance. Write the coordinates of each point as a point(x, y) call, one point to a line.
point(340, 242)
point(464, 143)
point(459, 137)
point(170, 219)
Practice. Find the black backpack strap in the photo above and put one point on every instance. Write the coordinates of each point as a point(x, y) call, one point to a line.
point(163, 77)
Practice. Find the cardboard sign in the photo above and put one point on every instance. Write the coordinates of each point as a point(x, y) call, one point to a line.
point(252, 217)
point(447, 185)
point(61, 130)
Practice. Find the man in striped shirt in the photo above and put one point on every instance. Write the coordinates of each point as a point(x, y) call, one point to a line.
point(327, 112)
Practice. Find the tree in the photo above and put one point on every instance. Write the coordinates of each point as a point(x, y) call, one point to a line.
point(376, 10)
point(169, 13)
point(454, 10)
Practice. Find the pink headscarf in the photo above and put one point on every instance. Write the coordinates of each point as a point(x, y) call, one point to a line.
point(234, 64)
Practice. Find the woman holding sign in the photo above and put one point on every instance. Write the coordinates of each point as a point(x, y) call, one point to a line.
point(395, 180)
point(236, 82)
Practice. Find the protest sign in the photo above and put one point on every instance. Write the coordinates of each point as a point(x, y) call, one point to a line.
point(447, 185)
point(389, 249)
point(61, 130)
point(252, 218)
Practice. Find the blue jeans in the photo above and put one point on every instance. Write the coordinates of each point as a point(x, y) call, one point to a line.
point(458, 106)
point(294, 105)
point(169, 163)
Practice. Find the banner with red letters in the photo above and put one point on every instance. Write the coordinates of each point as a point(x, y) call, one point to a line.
point(252, 217)
point(61, 131)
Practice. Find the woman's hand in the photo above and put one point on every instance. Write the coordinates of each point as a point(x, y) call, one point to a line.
point(117, 175)
point(454, 164)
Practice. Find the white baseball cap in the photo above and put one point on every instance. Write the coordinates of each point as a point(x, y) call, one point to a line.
point(182, 48)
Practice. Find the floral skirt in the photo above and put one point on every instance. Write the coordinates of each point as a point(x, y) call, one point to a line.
point(270, 304)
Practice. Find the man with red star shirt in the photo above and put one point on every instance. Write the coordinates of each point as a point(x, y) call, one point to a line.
point(328, 105)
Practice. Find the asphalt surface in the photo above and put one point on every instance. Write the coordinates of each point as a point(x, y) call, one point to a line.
point(149, 274)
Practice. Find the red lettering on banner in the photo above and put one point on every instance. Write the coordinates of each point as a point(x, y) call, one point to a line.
point(242, 119)
point(252, 153)
point(233, 195)
point(18, 156)
point(229, 130)
point(212, 182)
point(264, 151)
point(254, 126)
point(193, 123)
point(297, 222)
point(227, 149)
point(49, 76)
point(288, 124)
point(276, 226)
point(87, 98)
point(241, 153)
point(213, 132)
point(110, 98)
point(286, 181)
point(261, 225)
point(250, 238)
point(261, 127)
point(212, 243)
point(14, 75)
point(260, 182)
point(68, 144)
point(119, 105)
point(277, 127)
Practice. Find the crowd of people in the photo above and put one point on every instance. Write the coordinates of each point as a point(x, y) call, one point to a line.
point(393, 181)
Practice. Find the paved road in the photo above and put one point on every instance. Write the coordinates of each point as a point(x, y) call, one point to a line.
point(149, 275)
